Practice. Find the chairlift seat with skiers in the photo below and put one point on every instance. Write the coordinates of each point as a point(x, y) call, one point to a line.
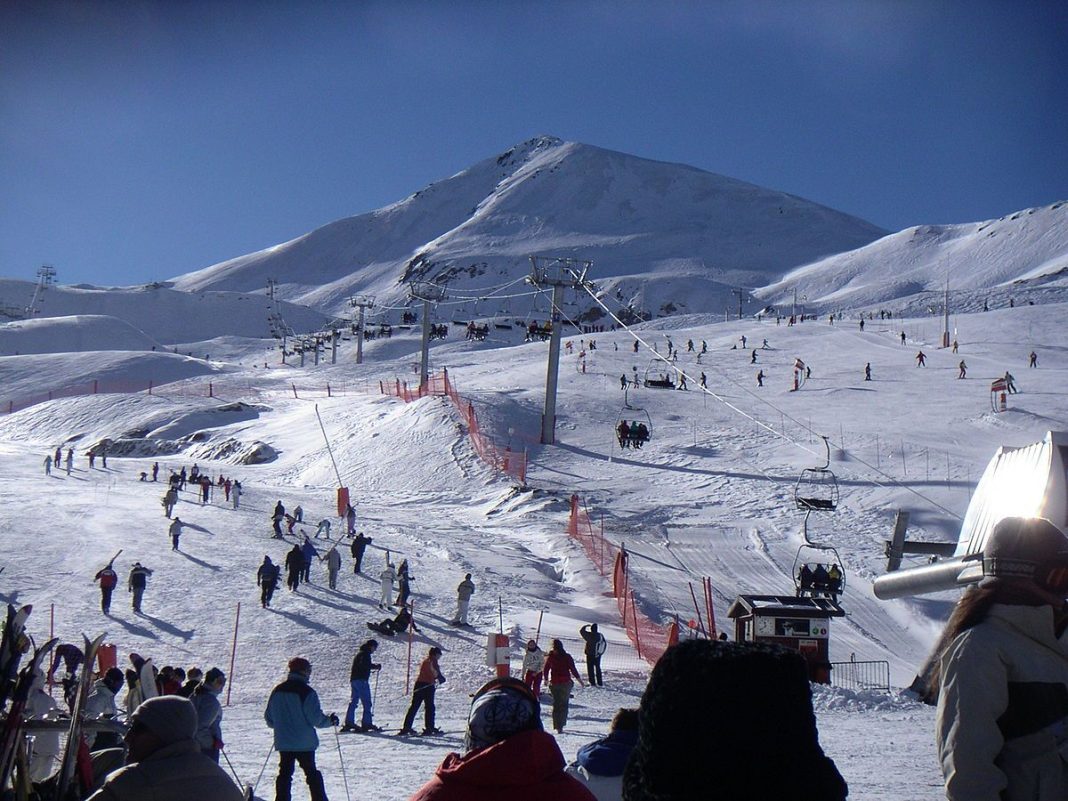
point(639, 428)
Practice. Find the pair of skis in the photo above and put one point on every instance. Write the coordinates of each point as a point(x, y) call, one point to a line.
point(16, 685)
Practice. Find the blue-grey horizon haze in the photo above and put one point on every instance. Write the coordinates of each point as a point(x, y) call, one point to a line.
point(142, 140)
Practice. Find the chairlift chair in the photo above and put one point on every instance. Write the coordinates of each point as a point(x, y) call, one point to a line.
point(630, 414)
point(817, 488)
point(818, 571)
point(658, 375)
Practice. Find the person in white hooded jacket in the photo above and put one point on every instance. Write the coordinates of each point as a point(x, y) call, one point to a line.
point(1002, 672)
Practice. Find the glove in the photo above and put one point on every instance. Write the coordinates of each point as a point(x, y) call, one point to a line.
point(334, 719)
point(218, 745)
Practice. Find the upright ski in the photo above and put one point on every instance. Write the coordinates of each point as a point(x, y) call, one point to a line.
point(74, 742)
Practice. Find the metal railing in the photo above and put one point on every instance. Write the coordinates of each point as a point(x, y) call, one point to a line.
point(853, 675)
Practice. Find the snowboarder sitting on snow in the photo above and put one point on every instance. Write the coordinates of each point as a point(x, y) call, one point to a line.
point(398, 625)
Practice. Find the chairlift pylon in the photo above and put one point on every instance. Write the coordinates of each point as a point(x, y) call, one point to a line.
point(817, 488)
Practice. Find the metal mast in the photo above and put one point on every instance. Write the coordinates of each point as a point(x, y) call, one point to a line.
point(559, 274)
point(428, 293)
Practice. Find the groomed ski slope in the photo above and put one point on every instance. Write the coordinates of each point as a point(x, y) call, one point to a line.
point(710, 495)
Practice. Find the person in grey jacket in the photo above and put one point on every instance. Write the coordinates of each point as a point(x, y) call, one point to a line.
point(1002, 672)
point(163, 762)
point(205, 700)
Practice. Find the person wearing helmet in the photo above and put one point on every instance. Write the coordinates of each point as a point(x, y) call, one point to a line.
point(1002, 671)
point(294, 713)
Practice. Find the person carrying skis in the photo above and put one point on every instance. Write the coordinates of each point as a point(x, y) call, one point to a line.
point(309, 552)
point(267, 580)
point(595, 648)
point(359, 545)
point(426, 682)
point(175, 531)
point(137, 582)
point(464, 590)
point(333, 565)
point(387, 576)
point(294, 713)
point(276, 519)
point(294, 567)
point(108, 579)
point(360, 682)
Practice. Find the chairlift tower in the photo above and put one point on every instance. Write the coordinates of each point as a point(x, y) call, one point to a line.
point(279, 328)
point(46, 277)
point(428, 293)
point(361, 302)
point(559, 273)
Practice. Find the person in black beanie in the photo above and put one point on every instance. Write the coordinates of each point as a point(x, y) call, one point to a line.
point(767, 746)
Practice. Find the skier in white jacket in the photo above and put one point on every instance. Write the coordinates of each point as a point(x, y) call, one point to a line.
point(388, 576)
point(1003, 671)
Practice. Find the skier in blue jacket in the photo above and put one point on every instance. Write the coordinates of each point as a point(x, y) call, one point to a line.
point(293, 711)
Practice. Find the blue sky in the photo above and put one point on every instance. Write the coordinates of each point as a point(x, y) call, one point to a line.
point(140, 140)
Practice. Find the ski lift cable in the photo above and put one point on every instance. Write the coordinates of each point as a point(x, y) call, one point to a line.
point(890, 481)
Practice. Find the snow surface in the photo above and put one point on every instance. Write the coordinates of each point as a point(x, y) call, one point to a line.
point(711, 495)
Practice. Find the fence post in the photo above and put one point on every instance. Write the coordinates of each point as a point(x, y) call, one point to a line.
point(294, 386)
point(211, 390)
point(149, 387)
point(328, 390)
point(233, 653)
point(381, 389)
point(634, 617)
point(96, 386)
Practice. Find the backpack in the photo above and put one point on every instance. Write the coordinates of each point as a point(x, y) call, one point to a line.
point(108, 579)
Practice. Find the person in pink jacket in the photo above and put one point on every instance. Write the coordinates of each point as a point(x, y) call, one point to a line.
point(506, 755)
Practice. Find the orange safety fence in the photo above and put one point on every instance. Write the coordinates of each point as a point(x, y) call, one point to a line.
point(650, 639)
point(513, 463)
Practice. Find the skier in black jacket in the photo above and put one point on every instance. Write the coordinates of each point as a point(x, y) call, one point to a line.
point(595, 646)
point(360, 680)
point(359, 545)
point(294, 567)
point(267, 580)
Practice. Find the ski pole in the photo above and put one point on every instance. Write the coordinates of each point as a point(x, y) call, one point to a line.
point(268, 759)
point(341, 759)
point(231, 764)
point(374, 695)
